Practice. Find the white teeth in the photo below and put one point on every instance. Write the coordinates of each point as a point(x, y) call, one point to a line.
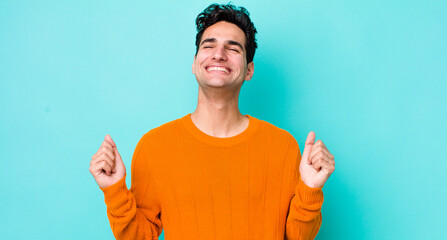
point(218, 69)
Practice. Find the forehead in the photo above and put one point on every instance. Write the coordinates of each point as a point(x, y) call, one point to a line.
point(224, 31)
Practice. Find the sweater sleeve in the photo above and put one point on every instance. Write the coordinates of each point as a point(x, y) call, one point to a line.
point(134, 214)
point(304, 216)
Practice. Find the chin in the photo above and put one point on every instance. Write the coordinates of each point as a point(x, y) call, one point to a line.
point(215, 84)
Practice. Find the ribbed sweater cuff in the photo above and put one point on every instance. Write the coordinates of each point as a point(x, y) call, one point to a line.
point(309, 195)
point(116, 194)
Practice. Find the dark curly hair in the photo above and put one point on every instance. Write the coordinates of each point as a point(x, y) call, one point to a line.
point(229, 13)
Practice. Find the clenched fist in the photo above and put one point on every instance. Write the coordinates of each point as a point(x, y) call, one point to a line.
point(317, 163)
point(106, 166)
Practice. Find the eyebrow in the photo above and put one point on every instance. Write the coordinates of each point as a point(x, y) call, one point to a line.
point(230, 42)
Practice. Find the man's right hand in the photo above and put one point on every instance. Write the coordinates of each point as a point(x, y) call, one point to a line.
point(106, 166)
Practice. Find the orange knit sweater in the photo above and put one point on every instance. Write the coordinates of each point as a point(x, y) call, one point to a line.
point(195, 186)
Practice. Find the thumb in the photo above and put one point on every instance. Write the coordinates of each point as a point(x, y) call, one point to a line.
point(109, 139)
point(118, 160)
point(117, 156)
point(308, 146)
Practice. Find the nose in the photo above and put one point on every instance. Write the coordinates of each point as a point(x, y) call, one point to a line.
point(219, 54)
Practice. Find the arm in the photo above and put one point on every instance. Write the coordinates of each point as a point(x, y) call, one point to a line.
point(315, 167)
point(304, 216)
point(135, 213)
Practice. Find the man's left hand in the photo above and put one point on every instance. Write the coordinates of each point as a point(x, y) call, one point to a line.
point(317, 163)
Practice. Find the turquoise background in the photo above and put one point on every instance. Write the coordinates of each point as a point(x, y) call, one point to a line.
point(369, 77)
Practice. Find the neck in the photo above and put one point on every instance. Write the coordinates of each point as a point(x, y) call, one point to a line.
point(217, 113)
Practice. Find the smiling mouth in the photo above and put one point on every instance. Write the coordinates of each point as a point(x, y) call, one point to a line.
point(221, 69)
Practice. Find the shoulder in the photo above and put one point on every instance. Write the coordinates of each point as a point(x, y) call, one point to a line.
point(166, 130)
point(279, 140)
point(275, 132)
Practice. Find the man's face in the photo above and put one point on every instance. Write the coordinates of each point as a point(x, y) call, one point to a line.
point(221, 59)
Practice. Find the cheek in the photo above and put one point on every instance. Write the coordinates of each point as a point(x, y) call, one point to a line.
point(196, 65)
point(199, 61)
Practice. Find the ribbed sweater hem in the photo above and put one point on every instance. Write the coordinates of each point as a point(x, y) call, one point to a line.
point(309, 195)
point(116, 194)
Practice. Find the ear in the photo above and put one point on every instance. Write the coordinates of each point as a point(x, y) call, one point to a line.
point(250, 71)
point(194, 65)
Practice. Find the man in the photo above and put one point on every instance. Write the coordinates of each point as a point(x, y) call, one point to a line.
point(215, 173)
